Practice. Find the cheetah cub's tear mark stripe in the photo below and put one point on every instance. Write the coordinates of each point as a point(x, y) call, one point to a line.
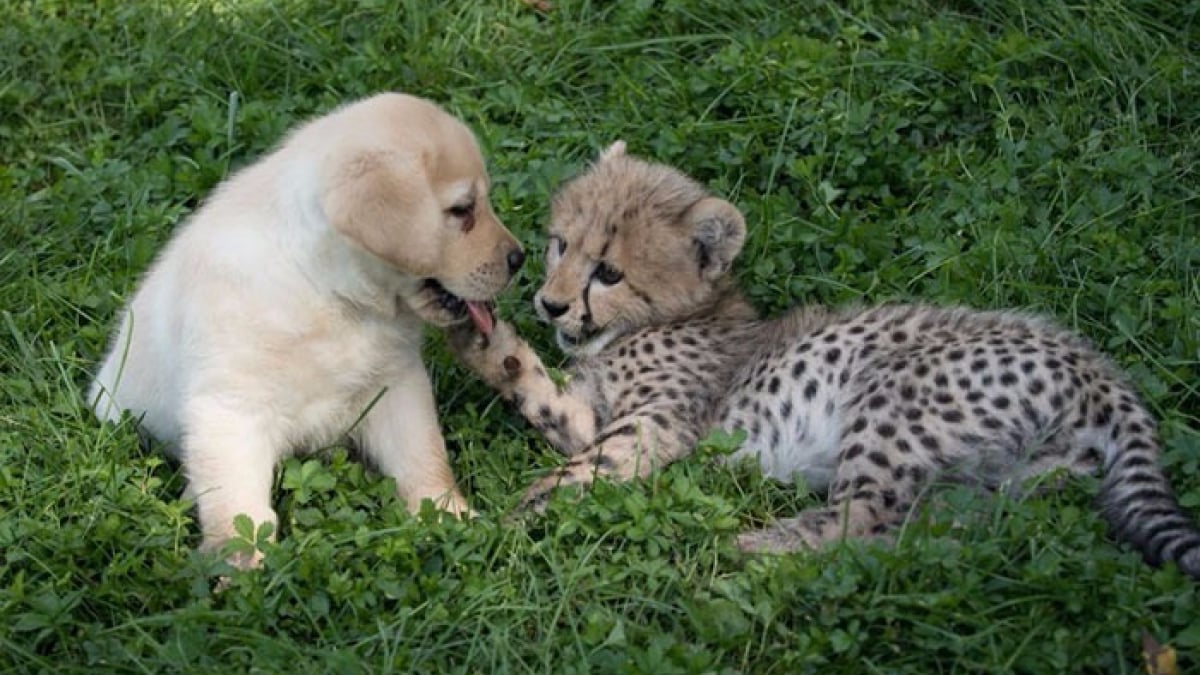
point(871, 405)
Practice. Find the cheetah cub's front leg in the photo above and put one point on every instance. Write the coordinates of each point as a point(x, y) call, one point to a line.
point(629, 446)
point(505, 362)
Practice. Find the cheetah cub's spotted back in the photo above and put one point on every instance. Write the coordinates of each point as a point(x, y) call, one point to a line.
point(870, 405)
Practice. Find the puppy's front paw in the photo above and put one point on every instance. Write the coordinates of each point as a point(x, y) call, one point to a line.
point(493, 357)
point(451, 502)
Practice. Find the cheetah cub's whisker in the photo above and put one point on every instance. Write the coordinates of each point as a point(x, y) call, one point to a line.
point(871, 405)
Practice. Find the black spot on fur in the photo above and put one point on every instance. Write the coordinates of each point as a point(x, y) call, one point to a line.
point(863, 480)
point(798, 369)
point(623, 430)
point(879, 459)
point(952, 416)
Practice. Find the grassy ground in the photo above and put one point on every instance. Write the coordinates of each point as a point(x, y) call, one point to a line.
point(994, 152)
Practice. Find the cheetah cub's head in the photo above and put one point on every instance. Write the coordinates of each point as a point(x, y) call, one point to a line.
point(631, 244)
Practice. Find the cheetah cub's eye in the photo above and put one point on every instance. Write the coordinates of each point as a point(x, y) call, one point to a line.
point(607, 274)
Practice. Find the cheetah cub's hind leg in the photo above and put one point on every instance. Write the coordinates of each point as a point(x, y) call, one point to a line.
point(860, 506)
point(883, 466)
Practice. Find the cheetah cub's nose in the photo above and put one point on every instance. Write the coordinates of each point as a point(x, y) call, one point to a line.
point(553, 309)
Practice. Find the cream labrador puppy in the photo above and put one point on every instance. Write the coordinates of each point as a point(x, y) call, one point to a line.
point(287, 312)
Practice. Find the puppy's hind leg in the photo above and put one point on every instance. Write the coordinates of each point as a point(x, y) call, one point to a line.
point(229, 458)
point(402, 437)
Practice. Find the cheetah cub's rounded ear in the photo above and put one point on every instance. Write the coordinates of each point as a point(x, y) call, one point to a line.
point(718, 232)
point(615, 150)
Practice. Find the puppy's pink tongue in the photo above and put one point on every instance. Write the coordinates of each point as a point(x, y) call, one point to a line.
point(481, 315)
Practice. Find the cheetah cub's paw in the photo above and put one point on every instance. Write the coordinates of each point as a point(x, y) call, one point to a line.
point(778, 538)
point(537, 496)
point(809, 530)
point(814, 529)
point(493, 357)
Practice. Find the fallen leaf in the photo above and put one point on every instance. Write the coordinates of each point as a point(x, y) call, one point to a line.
point(1160, 659)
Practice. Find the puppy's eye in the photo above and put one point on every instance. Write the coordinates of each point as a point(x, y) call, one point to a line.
point(555, 246)
point(607, 274)
point(465, 213)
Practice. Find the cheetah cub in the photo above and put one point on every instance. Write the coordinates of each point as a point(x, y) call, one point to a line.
point(870, 405)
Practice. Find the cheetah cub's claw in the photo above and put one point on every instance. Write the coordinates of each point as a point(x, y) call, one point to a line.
point(493, 357)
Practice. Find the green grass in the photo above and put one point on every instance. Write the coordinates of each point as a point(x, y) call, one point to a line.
point(1000, 153)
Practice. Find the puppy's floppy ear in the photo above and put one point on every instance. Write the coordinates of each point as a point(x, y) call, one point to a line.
point(615, 150)
point(383, 202)
point(718, 232)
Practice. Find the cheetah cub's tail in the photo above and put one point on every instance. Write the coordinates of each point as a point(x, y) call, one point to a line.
point(1137, 501)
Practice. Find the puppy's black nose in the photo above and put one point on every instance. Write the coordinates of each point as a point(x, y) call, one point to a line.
point(553, 309)
point(516, 258)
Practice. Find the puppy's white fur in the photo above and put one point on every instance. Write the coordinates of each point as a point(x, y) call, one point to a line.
point(296, 295)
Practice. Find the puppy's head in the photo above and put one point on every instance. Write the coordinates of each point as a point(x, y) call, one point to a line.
point(405, 181)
